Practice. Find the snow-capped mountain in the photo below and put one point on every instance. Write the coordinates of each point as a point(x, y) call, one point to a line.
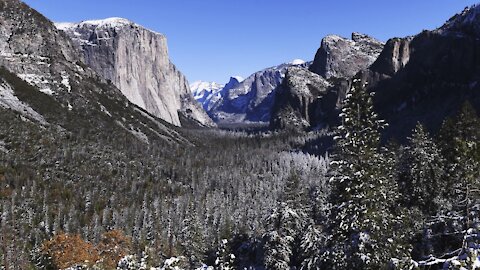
point(136, 60)
point(246, 100)
point(203, 92)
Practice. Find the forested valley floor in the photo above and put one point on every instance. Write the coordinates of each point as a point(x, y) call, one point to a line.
point(234, 200)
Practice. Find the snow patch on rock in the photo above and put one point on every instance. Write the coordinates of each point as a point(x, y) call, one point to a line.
point(296, 62)
point(3, 147)
point(66, 81)
point(8, 100)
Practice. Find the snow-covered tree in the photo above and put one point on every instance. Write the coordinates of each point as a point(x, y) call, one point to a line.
point(131, 262)
point(313, 244)
point(278, 251)
point(175, 263)
point(192, 240)
point(460, 144)
point(469, 257)
point(364, 216)
point(285, 226)
point(422, 171)
point(459, 140)
point(225, 260)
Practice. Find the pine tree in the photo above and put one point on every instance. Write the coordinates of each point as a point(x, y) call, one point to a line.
point(460, 141)
point(364, 215)
point(225, 260)
point(278, 251)
point(284, 227)
point(422, 171)
point(313, 244)
point(192, 240)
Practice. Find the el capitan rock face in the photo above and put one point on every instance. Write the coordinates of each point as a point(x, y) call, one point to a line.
point(47, 82)
point(136, 60)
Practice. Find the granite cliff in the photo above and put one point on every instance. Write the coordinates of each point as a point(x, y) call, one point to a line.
point(136, 60)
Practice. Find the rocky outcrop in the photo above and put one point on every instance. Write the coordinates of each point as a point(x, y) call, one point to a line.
point(32, 49)
point(427, 77)
point(312, 99)
point(342, 58)
point(301, 100)
point(394, 57)
point(136, 60)
point(61, 88)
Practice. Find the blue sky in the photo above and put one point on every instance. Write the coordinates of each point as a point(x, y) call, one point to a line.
point(212, 40)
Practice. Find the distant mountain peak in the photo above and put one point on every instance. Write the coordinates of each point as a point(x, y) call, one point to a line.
point(238, 78)
point(198, 86)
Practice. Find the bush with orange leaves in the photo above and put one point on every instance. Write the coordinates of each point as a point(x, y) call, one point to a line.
point(67, 250)
point(113, 246)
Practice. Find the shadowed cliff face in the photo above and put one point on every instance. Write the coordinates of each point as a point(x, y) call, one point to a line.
point(312, 98)
point(423, 78)
point(136, 60)
point(299, 100)
point(427, 77)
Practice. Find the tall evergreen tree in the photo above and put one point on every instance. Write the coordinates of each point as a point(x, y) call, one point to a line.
point(460, 141)
point(313, 244)
point(192, 240)
point(422, 171)
point(225, 260)
point(363, 218)
point(284, 227)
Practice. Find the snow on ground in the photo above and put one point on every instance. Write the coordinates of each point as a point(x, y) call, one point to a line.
point(36, 80)
point(199, 87)
point(65, 25)
point(47, 91)
point(9, 101)
point(113, 22)
point(66, 81)
point(103, 109)
point(2, 147)
point(140, 135)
